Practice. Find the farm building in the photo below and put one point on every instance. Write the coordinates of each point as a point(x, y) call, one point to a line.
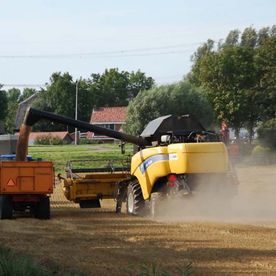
point(109, 117)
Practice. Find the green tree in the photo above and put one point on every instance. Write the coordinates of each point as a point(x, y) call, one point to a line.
point(232, 38)
point(109, 89)
point(112, 88)
point(249, 37)
point(58, 97)
point(226, 76)
point(263, 35)
point(27, 92)
point(179, 99)
point(14, 97)
point(267, 133)
point(232, 75)
point(85, 101)
point(61, 94)
point(115, 88)
point(138, 81)
point(265, 60)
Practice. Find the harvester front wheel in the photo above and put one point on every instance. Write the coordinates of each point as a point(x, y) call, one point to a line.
point(135, 201)
point(6, 207)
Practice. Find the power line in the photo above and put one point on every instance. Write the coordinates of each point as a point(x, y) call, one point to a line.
point(120, 53)
point(96, 56)
point(145, 54)
point(21, 85)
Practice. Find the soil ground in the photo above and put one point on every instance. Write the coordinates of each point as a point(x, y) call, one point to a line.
point(100, 242)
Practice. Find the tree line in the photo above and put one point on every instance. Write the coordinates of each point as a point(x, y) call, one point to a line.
point(111, 88)
point(238, 76)
point(233, 81)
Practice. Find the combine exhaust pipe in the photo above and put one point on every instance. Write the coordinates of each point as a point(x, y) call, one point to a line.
point(33, 115)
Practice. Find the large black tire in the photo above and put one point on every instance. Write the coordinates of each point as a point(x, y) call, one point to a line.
point(92, 203)
point(42, 208)
point(135, 202)
point(6, 207)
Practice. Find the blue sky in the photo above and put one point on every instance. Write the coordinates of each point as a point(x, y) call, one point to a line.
point(39, 37)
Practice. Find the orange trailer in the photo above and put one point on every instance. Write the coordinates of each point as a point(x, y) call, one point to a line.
point(25, 185)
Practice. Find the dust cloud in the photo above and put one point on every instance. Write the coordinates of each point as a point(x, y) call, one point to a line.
point(252, 200)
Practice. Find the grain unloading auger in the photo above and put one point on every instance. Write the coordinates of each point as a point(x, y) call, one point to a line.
point(176, 156)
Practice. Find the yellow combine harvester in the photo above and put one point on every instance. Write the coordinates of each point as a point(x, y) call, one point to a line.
point(176, 157)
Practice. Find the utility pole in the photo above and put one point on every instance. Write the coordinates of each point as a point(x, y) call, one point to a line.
point(76, 112)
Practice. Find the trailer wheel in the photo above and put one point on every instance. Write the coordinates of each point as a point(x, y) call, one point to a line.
point(6, 207)
point(92, 203)
point(42, 209)
point(135, 201)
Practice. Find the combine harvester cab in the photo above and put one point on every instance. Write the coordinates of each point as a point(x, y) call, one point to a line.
point(25, 185)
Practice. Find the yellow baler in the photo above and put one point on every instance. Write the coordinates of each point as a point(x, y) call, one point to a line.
point(89, 188)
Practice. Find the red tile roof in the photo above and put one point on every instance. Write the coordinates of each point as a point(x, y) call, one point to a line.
point(109, 115)
point(60, 134)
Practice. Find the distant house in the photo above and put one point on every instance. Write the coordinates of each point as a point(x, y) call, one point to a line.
point(109, 117)
point(63, 135)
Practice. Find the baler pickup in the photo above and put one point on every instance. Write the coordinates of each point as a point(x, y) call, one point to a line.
point(87, 186)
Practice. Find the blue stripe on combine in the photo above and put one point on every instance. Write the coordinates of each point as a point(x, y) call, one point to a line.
point(151, 160)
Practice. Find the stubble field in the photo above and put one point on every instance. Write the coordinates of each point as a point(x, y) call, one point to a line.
point(241, 241)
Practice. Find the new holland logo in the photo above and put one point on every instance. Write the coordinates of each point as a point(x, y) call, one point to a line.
point(11, 183)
